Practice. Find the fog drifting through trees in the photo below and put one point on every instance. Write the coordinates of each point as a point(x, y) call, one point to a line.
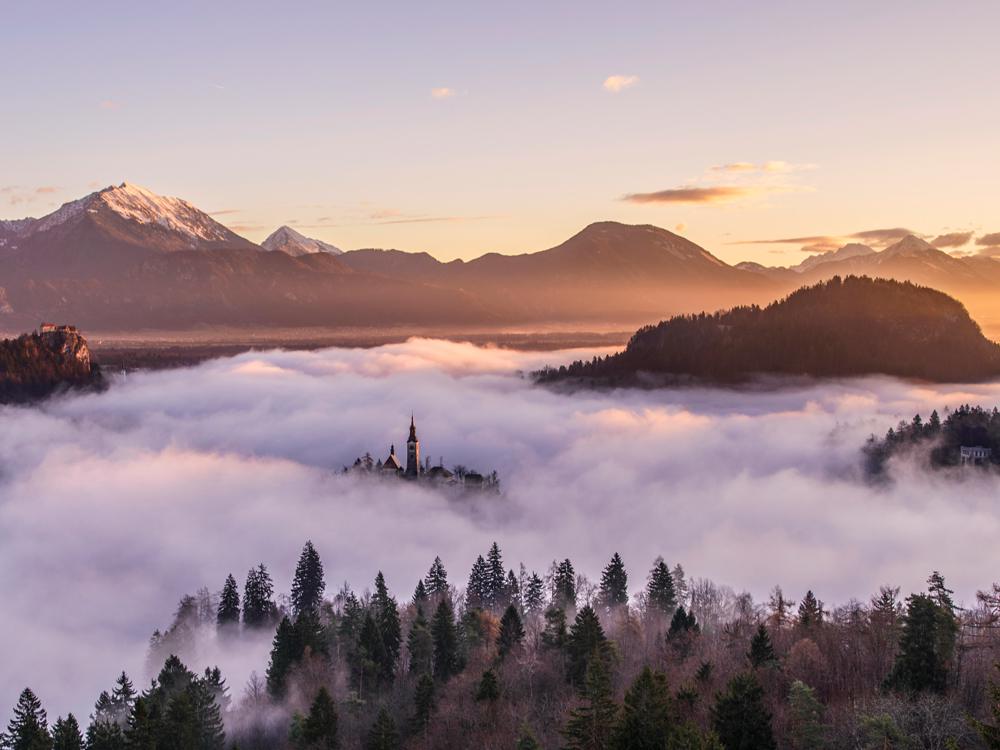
point(114, 505)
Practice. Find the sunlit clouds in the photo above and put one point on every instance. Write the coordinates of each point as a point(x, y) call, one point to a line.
point(733, 182)
point(618, 83)
point(442, 92)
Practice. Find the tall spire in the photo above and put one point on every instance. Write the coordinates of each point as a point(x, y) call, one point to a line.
point(412, 452)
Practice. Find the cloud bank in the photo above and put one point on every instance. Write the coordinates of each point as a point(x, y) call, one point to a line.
point(112, 506)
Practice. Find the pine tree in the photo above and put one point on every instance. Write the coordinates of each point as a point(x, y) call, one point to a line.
point(680, 584)
point(436, 581)
point(585, 639)
point(383, 735)
point(216, 685)
point(495, 579)
point(761, 650)
point(208, 716)
point(779, 606)
point(555, 634)
point(477, 590)
point(590, 725)
point(646, 721)
point(512, 590)
point(423, 703)
point(614, 584)
point(533, 596)
point(810, 611)
point(564, 586)
point(661, 597)
point(318, 731)
point(926, 644)
point(445, 636)
point(286, 650)
point(228, 615)
point(122, 699)
point(140, 734)
point(371, 652)
point(259, 609)
point(420, 594)
point(740, 718)
point(511, 633)
point(66, 734)
point(991, 732)
point(489, 688)
point(104, 734)
point(308, 585)
point(420, 645)
point(805, 717)
point(387, 619)
point(28, 728)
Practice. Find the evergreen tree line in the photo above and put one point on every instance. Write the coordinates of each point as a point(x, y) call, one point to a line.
point(936, 443)
point(521, 660)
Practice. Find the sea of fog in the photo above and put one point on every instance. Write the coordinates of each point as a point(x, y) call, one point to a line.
point(114, 505)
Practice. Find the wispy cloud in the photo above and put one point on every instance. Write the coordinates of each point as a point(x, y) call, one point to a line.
point(224, 212)
point(618, 83)
point(767, 167)
point(714, 194)
point(16, 195)
point(110, 104)
point(442, 92)
point(952, 239)
point(993, 238)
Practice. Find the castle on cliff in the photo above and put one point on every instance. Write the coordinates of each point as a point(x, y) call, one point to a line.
point(413, 470)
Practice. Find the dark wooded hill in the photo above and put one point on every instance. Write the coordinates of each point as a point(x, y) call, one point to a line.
point(838, 328)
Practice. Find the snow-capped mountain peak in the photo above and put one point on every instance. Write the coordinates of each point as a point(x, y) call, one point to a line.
point(294, 243)
point(146, 207)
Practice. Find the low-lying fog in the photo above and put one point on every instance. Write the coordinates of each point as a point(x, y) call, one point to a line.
point(114, 505)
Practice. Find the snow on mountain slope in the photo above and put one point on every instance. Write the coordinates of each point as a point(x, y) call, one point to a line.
point(287, 240)
point(132, 203)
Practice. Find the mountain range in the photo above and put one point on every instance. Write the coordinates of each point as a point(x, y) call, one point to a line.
point(909, 259)
point(124, 258)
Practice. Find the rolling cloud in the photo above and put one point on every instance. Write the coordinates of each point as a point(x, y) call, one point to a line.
point(952, 239)
point(993, 238)
point(114, 505)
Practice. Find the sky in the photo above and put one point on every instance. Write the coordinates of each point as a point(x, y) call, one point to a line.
point(114, 505)
point(462, 128)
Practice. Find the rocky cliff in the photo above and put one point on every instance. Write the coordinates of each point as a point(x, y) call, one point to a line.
point(53, 358)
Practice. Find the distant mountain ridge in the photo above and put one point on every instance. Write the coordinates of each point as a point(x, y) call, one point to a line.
point(909, 259)
point(124, 258)
point(826, 330)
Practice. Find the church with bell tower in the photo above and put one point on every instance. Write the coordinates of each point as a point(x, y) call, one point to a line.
point(459, 478)
point(412, 453)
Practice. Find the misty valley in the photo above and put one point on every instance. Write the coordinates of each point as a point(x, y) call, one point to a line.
point(663, 562)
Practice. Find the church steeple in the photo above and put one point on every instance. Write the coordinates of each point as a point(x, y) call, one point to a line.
point(412, 451)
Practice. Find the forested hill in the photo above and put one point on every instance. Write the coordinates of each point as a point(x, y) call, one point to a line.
point(837, 328)
point(35, 365)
